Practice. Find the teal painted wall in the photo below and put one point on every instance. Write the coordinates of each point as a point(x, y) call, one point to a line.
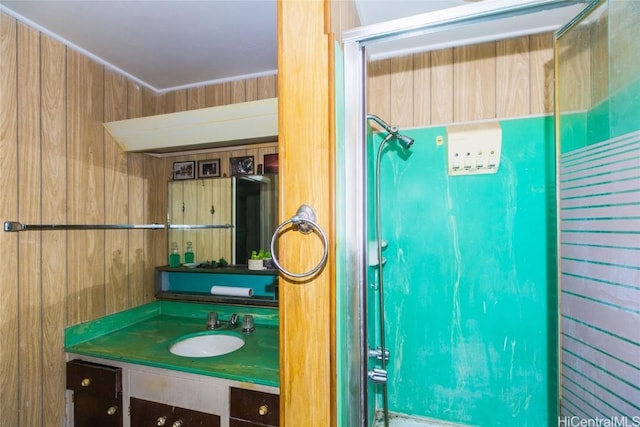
point(470, 281)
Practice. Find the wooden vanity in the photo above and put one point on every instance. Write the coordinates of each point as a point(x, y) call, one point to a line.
point(120, 372)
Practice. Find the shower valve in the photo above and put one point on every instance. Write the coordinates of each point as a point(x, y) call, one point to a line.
point(377, 353)
point(378, 375)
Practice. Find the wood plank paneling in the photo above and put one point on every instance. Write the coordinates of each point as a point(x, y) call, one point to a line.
point(64, 169)
point(379, 90)
point(54, 202)
point(541, 72)
point(136, 206)
point(422, 88)
point(474, 83)
point(85, 182)
point(196, 98)
point(508, 78)
point(29, 210)
point(513, 87)
point(267, 87)
point(116, 185)
point(441, 98)
point(9, 350)
point(402, 91)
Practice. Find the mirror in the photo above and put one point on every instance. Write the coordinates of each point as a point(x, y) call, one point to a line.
point(248, 202)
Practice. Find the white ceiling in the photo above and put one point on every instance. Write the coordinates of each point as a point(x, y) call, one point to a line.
point(166, 45)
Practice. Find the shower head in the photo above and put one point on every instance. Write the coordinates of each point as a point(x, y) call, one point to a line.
point(393, 133)
point(405, 141)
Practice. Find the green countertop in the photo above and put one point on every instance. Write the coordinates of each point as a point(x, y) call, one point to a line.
point(143, 335)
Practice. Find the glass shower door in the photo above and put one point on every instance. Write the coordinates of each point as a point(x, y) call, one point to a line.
point(598, 127)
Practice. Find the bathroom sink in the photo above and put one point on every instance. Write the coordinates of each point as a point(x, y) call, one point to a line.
point(206, 345)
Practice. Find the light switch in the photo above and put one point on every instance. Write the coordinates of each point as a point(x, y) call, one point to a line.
point(474, 148)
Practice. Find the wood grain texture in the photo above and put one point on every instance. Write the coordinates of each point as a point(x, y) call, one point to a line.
point(442, 99)
point(136, 206)
point(541, 72)
point(59, 167)
point(378, 95)
point(574, 59)
point(474, 82)
point(116, 210)
point(513, 87)
point(508, 78)
point(402, 90)
point(85, 180)
point(29, 208)
point(267, 87)
point(303, 93)
point(422, 88)
point(54, 200)
point(9, 313)
point(623, 44)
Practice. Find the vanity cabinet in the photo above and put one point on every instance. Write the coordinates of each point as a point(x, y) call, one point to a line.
point(97, 394)
point(249, 408)
point(146, 413)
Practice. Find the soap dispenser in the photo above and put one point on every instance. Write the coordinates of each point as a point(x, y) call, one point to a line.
point(174, 256)
point(189, 257)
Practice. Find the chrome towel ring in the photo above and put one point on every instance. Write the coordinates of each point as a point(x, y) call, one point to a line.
point(304, 221)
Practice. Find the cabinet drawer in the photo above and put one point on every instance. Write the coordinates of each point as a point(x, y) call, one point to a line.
point(256, 406)
point(92, 378)
point(94, 411)
point(146, 413)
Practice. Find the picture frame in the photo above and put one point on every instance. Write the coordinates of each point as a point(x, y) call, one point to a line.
point(241, 165)
point(209, 168)
point(271, 163)
point(184, 170)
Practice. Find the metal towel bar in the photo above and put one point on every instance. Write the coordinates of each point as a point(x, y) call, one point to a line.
point(13, 226)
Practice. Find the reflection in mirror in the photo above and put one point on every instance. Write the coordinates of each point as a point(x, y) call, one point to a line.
point(248, 202)
point(203, 201)
point(256, 214)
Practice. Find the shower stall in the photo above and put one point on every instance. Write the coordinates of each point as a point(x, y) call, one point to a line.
point(448, 285)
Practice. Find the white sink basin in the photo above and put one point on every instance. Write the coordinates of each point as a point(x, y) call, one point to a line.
point(206, 345)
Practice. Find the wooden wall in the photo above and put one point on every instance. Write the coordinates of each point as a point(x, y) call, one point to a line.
point(59, 166)
point(507, 78)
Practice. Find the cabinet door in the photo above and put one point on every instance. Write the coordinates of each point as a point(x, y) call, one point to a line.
point(95, 411)
point(191, 418)
point(144, 413)
point(97, 394)
point(254, 407)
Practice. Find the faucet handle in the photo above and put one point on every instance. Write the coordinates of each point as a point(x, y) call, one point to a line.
point(212, 320)
point(247, 323)
point(233, 320)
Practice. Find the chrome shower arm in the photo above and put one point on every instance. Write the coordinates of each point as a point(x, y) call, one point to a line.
point(390, 129)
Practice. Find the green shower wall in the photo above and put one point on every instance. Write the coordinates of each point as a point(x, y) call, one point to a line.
point(615, 115)
point(470, 281)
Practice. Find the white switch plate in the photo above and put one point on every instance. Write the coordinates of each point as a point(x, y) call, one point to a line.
point(474, 148)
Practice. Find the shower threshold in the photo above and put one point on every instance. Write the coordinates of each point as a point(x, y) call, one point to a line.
point(399, 420)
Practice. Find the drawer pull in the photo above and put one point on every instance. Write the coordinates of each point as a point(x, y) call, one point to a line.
point(177, 424)
point(112, 410)
point(263, 410)
point(161, 421)
point(85, 382)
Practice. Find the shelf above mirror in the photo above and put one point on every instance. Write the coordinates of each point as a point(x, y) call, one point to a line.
point(213, 127)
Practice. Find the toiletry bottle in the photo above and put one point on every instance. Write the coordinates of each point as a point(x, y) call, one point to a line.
point(174, 256)
point(188, 254)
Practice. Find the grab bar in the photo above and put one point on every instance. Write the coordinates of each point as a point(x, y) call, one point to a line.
point(14, 226)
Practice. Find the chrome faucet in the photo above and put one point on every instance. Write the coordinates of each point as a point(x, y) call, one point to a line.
point(213, 322)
